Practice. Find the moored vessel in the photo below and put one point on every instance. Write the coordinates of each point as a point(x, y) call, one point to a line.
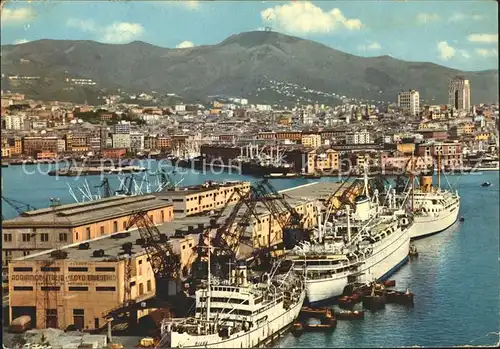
point(434, 209)
point(370, 245)
point(237, 314)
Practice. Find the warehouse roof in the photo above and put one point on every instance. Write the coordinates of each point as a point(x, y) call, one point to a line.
point(112, 244)
point(74, 215)
point(194, 189)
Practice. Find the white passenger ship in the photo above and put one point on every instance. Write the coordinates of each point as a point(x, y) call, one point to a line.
point(434, 209)
point(369, 246)
point(236, 314)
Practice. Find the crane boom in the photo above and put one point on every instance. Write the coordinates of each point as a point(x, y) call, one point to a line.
point(164, 262)
point(18, 206)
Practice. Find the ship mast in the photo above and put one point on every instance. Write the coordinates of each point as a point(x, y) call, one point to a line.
point(209, 279)
point(439, 168)
point(412, 183)
point(348, 209)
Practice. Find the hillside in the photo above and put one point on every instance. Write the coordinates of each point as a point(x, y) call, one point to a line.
point(237, 66)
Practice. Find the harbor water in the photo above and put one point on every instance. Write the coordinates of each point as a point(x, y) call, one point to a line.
point(456, 279)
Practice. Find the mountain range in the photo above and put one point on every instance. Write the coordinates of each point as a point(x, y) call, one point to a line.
point(237, 66)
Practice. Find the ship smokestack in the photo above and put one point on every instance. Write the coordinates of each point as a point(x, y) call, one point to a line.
point(362, 210)
point(242, 275)
point(425, 183)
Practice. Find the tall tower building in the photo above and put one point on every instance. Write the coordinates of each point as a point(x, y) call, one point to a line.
point(409, 100)
point(459, 94)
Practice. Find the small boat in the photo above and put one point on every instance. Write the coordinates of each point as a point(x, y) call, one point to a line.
point(486, 184)
point(462, 219)
point(374, 302)
point(346, 302)
point(350, 315)
point(311, 176)
point(390, 283)
point(398, 297)
point(297, 329)
point(313, 312)
point(321, 327)
point(281, 175)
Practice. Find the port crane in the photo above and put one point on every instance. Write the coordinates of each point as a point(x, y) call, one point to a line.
point(164, 262)
point(290, 221)
point(18, 206)
point(347, 192)
point(228, 239)
point(230, 233)
point(106, 187)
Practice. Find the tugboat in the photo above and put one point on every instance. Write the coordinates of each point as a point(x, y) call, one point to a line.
point(486, 184)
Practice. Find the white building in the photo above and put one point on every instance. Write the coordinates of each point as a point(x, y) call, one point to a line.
point(122, 127)
point(150, 118)
point(229, 106)
point(77, 81)
point(180, 107)
point(61, 145)
point(459, 94)
point(14, 122)
point(121, 140)
point(361, 137)
point(38, 124)
point(409, 100)
point(263, 107)
point(137, 141)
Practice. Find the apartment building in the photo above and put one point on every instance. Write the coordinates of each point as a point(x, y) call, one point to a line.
point(450, 152)
point(35, 144)
point(360, 137)
point(409, 101)
point(459, 94)
point(311, 140)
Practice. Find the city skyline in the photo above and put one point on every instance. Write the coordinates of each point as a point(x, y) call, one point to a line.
point(462, 37)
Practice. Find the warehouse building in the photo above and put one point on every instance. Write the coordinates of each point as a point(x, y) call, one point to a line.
point(79, 287)
point(197, 199)
point(61, 225)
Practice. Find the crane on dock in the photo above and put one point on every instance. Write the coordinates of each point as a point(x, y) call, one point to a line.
point(106, 187)
point(165, 263)
point(289, 219)
point(229, 234)
point(19, 206)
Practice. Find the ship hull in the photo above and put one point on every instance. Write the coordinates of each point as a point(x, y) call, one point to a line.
point(259, 170)
point(388, 256)
point(253, 338)
point(427, 225)
point(202, 164)
point(321, 291)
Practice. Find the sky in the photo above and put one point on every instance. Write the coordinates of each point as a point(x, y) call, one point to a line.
point(455, 33)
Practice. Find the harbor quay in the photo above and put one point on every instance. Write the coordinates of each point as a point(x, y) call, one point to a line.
point(72, 284)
